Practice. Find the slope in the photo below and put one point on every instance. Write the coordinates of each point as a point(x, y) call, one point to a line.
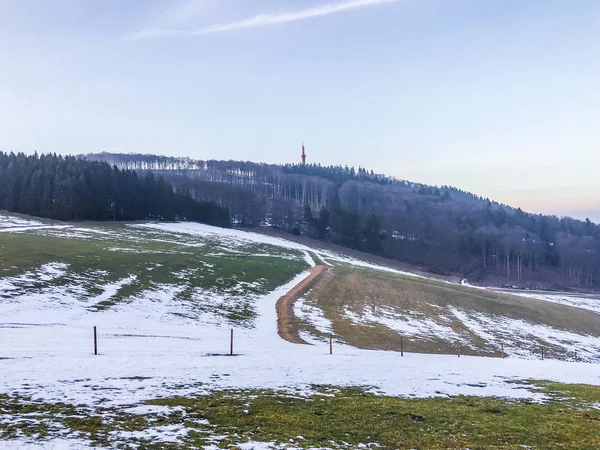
point(164, 297)
point(373, 309)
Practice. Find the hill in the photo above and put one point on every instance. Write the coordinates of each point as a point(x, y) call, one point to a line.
point(441, 229)
point(164, 297)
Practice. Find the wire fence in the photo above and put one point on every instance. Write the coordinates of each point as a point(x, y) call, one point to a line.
point(82, 340)
point(409, 344)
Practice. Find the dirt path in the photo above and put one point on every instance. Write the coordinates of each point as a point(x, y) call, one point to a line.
point(285, 306)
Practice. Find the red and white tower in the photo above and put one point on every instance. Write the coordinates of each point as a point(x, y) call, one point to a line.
point(303, 155)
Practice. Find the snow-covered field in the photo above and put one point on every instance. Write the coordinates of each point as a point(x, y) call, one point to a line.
point(584, 301)
point(142, 340)
point(152, 345)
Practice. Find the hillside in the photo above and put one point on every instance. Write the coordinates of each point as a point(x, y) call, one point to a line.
point(164, 297)
point(440, 229)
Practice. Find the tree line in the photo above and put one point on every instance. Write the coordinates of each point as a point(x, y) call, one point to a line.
point(441, 228)
point(71, 189)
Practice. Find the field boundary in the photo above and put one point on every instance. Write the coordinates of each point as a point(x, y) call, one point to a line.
point(285, 306)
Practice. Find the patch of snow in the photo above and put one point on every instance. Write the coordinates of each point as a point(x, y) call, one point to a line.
point(586, 301)
point(231, 238)
point(13, 221)
point(44, 274)
point(410, 323)
point(501, 329)
point(33, 228)
point(253, 445)
point(151, 409)
point(94, 230)
point(309, 260)
point(165, 433)
point(313, 315)
point(46, 444)
point(111, 289)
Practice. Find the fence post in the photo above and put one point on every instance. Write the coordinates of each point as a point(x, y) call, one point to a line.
point(503, 354)
point(330, 344)
point(231, 344)
point(95, 341)
point(401, 347)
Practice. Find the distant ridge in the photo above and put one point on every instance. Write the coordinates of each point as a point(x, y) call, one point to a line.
point(441, 229)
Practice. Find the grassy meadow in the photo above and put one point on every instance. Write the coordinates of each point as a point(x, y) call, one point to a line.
point(331, 417)
point(373, 309)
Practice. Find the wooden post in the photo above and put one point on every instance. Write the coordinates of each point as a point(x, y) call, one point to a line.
point(503, 354)
point(330, 344)
point(231, 344)
point(401, 347)
point(542, 353)
point(458, 348)
point(95, 342)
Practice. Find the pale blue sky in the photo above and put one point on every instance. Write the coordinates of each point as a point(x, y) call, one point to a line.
point(498, 97)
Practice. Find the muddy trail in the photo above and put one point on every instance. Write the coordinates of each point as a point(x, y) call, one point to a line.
point(285, 306)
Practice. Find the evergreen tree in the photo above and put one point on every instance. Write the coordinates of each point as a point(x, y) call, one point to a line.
point(69, 188)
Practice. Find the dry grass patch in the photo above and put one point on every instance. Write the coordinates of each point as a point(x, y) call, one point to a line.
point(369, 309)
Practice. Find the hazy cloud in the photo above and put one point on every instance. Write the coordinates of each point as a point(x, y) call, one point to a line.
point(262, 20)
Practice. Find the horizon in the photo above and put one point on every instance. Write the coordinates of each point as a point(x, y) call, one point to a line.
point(493, 199)
point(496, 98)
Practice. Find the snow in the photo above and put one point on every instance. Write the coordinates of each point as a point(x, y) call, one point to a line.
point(520, 338)
point(155, 345)
point(151, 409)
point(14, 222)
point(48, 351)
point(44, 274)
point(585, 301)
point(232, 238)
point(32, 228)
point(51, 444)
point(312, 315)
point(165, 433)
point(408, 324)
point(309, 260)
point(508, 330)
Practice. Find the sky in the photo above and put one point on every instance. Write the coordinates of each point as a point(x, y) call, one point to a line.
point(497, 97)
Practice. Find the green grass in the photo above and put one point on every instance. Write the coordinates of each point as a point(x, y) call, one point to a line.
point(335, 418)
point(206, 271)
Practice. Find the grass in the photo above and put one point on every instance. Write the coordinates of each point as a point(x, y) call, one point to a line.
point(357, 290)
point(332, 417)
point(207, 272)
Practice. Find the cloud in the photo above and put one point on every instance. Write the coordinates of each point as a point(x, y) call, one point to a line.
point(262, 20)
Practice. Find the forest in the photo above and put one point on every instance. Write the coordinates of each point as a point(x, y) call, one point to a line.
point(72, 189)
point(442, 229)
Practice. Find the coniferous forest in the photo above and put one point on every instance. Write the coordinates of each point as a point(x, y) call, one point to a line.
point(72, 189)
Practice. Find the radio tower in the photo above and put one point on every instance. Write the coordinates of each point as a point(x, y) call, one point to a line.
point(303, 155)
